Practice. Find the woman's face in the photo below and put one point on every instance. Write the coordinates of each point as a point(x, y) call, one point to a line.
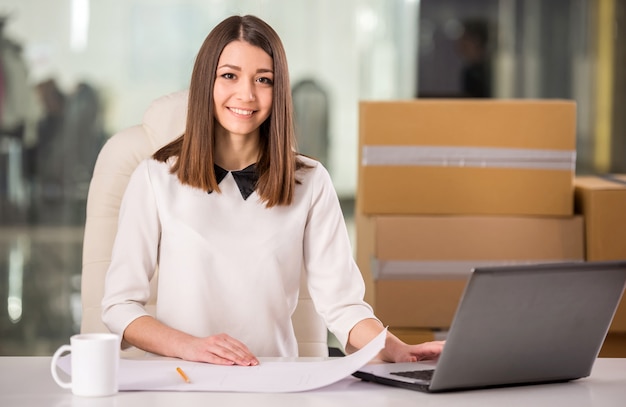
point(243, 88)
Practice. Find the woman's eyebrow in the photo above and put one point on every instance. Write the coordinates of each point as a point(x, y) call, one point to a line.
point(238, 68)
point(230, 66)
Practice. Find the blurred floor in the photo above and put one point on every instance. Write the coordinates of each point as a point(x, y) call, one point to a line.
point(40, 286)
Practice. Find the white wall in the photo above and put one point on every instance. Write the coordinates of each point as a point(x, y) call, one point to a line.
point(138, 50)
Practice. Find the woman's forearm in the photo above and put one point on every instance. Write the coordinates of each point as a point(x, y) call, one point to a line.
point(153, 336)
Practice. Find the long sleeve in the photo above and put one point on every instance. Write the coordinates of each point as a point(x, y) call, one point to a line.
point(335, 282)
point(134, 257)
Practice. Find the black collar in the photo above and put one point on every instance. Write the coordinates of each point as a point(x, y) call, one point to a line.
point(245, 179)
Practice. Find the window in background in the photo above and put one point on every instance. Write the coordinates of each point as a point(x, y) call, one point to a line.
point(512, 49)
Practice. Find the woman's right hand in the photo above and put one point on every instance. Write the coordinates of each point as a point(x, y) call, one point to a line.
point(220, 349)
point(153, 336)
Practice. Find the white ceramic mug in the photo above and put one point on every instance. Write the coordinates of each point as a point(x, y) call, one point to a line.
point(94, 364)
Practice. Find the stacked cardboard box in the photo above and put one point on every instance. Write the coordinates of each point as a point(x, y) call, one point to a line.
point(602, 202)
point(447, 185)
point(467, 157)
point(419, 264)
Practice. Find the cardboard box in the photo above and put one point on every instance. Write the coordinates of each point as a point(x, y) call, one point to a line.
point(418, 303)
point(619, 320)
point(365, 251)
point(614, 345)
point(416, 267)
point(602, 202)
point(470, 157)
point(416, 335)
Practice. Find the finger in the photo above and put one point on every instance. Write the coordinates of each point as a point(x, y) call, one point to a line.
point(231, 349)
point(241, 350)
point(235, 358)
point(427, 351)
point(237, 346)
point(221, 356)
point(217, 360)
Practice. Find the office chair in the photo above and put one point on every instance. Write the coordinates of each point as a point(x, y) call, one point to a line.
point(162, 122)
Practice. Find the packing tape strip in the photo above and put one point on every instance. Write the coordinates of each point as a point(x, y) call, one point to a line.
point(444, 269)
point(483, 157)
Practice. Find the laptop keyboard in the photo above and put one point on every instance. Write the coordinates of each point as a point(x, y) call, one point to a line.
point(416, 374)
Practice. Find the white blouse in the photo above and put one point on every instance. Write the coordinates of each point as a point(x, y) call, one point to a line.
point(232, 265)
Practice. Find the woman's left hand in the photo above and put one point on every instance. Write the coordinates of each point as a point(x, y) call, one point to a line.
point(398, 351)
point(395, 350)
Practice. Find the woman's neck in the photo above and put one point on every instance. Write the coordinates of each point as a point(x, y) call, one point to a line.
point(236, 152)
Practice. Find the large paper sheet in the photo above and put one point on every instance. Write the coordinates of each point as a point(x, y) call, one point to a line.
point(270, 376)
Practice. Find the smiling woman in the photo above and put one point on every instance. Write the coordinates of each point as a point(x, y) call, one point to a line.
point(234, 253)
point(248, 73)
point(243, 101)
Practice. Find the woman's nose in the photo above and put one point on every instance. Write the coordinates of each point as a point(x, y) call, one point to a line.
point(246, 91)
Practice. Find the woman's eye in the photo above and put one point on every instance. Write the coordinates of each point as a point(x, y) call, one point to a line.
point(228, 76)
point(266, 81)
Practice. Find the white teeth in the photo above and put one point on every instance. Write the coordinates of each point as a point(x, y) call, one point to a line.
point(241, 111)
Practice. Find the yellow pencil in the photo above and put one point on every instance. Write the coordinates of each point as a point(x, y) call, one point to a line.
point(183, 375)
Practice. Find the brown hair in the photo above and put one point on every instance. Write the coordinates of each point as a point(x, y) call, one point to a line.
point(195, 148)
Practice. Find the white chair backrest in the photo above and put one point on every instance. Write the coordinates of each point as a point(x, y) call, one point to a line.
point(163, 122)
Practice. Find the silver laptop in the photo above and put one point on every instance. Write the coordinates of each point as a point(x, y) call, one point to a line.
point(517, 325)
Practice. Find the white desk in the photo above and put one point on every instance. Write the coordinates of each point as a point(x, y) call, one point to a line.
point(26, 382)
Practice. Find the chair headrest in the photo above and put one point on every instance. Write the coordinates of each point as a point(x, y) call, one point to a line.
point(165, 119)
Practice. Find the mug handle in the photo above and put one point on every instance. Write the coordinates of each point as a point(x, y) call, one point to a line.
point(53, 366)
